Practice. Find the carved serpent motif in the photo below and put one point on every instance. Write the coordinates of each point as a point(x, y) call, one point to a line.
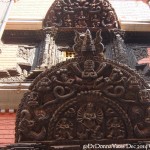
point(59, 92)
point(118, 91)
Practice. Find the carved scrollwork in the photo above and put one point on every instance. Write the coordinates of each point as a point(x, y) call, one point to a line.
point(118, 91)
point(59, 92)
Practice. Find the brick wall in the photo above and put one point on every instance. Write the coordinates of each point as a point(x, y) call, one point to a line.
point(7, 128)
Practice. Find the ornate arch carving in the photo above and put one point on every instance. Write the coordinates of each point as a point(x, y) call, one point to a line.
point(81, 14)
point(88, 97)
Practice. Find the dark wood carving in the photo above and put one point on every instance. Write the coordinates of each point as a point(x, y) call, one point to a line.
point(81, 14)
point(84, 99)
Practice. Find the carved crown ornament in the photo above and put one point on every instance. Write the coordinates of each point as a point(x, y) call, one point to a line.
point(81, 14)
point(85, 98)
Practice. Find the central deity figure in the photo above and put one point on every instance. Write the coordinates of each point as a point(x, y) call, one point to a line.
point(90, 120)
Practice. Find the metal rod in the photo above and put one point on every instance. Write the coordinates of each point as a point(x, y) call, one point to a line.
point(5, 19)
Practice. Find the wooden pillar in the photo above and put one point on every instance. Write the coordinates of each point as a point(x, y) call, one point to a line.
point(49, 48)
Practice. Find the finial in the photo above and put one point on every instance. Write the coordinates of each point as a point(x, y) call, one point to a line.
point(88, 44)
point(85, 45)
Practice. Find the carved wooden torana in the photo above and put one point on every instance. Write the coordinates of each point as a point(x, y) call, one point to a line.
point(88, 98)
point(81, 13)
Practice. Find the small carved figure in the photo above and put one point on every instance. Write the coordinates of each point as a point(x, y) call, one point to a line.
point(81, 20)
point(147, 119)
point(133, 84)
point(142, 129)
point(58, 5)
point(25, 128)
point(44, 85)
point(64, 129)
point(33, 99)
point(114, 85)
point(115, 129)
point(95, 21)
point(145, 96)
point(109, 19)
point(63, 78)
point(70, 113)
point(68, 21)
point(40, 115)
point(68, 7)
point(81, 4)
point(89, 71)
point(116, 77)
point(90, 121)
point(95, 5)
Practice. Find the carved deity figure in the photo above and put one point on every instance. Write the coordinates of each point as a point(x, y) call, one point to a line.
point(115, 128)
point(81, 20)
point(90, 121)
point(95, 5)
point(44, 85)
point(81, 4)
point(68, 7)
point(89, 69)
point(115, 77)
point(64, 129)
point(95, 21)
point(145, 96)
point(133, 83)
point(109, 19)
point(68, 21)
point(26, 128)
point(58, 5)
point(147, 119)
point(63, 78)
point(33, 99)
